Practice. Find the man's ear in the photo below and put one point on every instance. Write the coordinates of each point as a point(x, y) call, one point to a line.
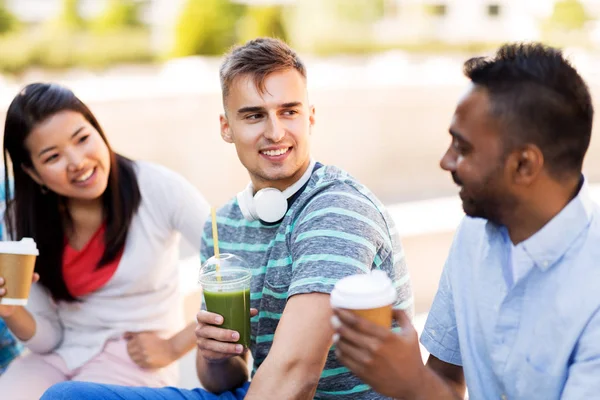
point(226, 133)
point(529, 163)
point(32, 174)
point(311, 117)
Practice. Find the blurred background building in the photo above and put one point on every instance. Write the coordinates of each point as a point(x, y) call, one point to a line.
point(384, 76)
point(186, 27)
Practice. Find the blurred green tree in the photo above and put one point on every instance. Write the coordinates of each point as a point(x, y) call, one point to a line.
point(206, 27)
point(117, 15)
point(8, 22)
point(569, 15)
point(69, 18)
point(262, 21)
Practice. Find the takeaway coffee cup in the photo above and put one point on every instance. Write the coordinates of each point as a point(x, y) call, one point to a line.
point(17, 262)
point(370, 296)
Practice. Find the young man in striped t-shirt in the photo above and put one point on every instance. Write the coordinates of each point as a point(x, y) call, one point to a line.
point(333, 227)
point(329, 226)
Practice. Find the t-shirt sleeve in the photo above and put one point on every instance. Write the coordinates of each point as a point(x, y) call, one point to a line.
point(440, 334)
point(335, 236)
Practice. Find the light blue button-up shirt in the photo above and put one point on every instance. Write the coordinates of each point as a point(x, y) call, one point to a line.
point(523, 321)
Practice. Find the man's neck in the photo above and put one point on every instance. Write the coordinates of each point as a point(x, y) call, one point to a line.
point(529, 217)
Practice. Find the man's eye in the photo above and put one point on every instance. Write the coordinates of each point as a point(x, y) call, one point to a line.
point(457, 145)
point(254, 116)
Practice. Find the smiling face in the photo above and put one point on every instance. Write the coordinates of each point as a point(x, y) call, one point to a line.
point(477, 160)
point(69, 156)
point(270, 129)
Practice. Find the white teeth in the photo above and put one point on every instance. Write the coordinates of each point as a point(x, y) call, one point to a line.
point(85, 176)
point(273, 153)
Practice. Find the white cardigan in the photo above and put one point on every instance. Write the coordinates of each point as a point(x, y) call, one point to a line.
point(143, 294)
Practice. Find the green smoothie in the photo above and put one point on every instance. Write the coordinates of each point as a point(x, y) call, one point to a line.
point(234, 306)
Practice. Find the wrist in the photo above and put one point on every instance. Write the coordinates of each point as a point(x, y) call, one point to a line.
point(174, 351)
point(421, 382)
point(13, 317)
point(429, 385)
point(225, 359)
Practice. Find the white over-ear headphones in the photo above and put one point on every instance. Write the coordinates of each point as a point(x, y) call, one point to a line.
point(270, 204)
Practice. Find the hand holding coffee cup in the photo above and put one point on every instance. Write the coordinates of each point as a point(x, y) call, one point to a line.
point(7, 311)
point(370, 296)
point(17, 263)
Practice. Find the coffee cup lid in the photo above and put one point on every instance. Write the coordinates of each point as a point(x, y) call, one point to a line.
point(25, 246)
point(364, 291)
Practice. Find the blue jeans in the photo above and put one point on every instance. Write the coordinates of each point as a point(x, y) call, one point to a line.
point(96, 391)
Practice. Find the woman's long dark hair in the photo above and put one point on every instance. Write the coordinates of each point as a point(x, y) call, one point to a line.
point(41, 214)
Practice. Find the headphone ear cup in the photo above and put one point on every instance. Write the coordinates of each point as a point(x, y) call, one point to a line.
point(246, 202)
point(270, 205)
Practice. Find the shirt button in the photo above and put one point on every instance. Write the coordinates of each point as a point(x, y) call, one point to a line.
point(503, 397)
point(545, 263)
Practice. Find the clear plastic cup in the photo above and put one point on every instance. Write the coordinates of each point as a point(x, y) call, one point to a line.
point(227, 292)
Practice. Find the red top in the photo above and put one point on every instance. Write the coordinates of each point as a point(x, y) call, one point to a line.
point(80, 267)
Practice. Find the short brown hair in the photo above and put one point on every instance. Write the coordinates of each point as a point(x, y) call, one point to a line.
point(259, 58)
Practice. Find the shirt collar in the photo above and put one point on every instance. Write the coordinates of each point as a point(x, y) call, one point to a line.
point(551, 242)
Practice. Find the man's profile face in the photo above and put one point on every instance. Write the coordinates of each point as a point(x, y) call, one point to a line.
point(270, 130)
point(476, 158)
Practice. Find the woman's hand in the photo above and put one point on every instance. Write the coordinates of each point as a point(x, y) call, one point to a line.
point(150, 351)
point(8, 311)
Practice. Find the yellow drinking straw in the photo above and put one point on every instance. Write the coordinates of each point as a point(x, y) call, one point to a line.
point(216, 241)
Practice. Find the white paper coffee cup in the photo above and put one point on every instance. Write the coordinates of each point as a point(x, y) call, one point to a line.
point(371, 296)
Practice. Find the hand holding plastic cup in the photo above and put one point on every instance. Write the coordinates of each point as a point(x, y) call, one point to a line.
point(225, 282)
point(370, 296)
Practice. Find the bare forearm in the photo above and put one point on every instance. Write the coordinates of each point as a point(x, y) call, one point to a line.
point(21, 324)
point(433, 386)
point(183, 341)
point(217, 377)
point(292, 382)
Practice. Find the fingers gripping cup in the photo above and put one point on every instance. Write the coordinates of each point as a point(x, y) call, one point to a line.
point(225, 283)
point(17, 262)
point(370, 296)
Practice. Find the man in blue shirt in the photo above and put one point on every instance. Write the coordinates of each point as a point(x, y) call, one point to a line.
point(517, 312)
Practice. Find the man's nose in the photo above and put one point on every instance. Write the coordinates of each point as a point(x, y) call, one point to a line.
point(276, 130)
point(448, 161)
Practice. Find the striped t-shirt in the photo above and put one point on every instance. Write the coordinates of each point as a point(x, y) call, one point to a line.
point(336, 227)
